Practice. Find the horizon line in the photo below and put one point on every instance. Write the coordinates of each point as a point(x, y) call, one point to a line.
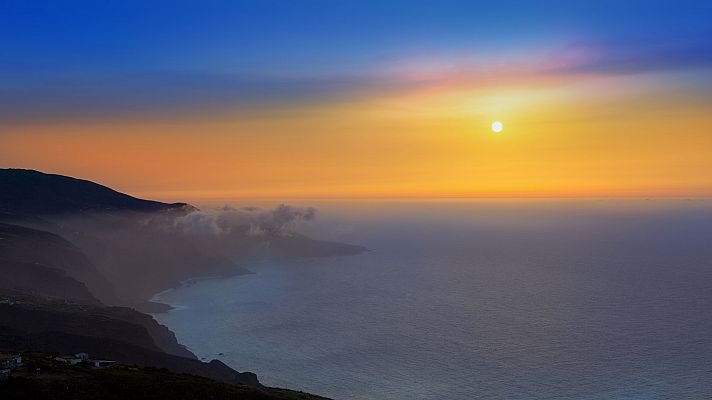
point(430, 198)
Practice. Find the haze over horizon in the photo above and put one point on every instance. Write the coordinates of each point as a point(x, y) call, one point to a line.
point(280, 100)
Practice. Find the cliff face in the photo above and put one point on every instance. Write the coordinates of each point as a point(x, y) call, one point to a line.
point(163, 337)
point(43, 264)
point(43, 281)
point(40, 257)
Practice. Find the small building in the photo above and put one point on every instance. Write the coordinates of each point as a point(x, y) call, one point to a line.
point(71, 360)
point(5, 373)
point(103, 363)
point(10, 361)
point(82, 356)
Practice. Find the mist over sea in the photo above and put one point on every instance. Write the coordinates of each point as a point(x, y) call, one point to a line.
point(539, 299)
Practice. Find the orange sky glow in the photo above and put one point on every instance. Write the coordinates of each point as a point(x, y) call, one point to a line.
point(564, 136)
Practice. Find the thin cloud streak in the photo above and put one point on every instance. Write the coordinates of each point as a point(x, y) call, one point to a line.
point(166, 94)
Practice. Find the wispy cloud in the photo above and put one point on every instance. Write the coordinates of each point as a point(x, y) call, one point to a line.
point(43, 96)
point(632, 57)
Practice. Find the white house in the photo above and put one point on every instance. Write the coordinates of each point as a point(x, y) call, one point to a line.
point(69, 360)
point(10, 361)
point(103, 363)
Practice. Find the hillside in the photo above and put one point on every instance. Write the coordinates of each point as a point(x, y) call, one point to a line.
point(74, 253)
point(58, 381)
point(40, 280)
point(35, 324)
point(43, 263)
point(29, 192)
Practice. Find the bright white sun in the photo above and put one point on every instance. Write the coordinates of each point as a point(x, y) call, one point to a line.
point(497, 127)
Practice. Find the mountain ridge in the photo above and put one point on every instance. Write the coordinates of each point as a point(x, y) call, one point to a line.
point(31, 192)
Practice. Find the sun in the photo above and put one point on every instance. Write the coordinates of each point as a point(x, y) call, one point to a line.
point(497, 127)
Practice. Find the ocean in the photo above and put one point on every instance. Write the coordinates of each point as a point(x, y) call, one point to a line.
point(500, 299)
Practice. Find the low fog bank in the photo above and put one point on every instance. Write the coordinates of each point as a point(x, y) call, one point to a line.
point(142, 253)
point(249, 221)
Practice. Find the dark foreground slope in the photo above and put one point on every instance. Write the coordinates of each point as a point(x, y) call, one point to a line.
point(119, 323)
point(79, 382)
point(109, 333)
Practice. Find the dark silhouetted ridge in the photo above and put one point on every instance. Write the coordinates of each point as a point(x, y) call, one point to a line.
point(24, 191)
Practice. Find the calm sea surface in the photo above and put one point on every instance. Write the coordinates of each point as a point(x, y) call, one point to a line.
point(475, 300)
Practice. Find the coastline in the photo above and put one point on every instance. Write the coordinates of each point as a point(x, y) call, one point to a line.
point(153, 305)
point(162, 307)
point(284, 247)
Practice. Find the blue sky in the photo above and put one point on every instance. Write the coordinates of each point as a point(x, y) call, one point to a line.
point(361, 98)
point(75, 59)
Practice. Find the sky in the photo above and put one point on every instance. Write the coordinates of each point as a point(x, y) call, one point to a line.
point(182, 100)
